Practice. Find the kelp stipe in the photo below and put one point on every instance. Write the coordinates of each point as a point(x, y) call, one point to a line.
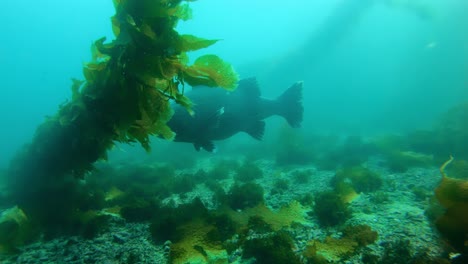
point(452, 194)
point(124, 98)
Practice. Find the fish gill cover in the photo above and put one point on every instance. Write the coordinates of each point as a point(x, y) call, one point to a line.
point(125, 97)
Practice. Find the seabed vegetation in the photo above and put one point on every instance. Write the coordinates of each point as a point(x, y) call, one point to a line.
point(313, 199)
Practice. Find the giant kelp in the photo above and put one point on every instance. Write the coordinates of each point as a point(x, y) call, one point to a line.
point(452, 194)
point(125, 97)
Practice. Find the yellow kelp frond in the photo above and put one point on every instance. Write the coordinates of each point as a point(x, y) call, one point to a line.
point(187, 249)
point(148, 31)
point(451, 192)
point(118, 3)
point(185, 102)
point(15, 230)
point(155, 112)
point(190, 43)
point(210, 70)
point(183, 12)
point(100, 50)
point(160, 112)
point(92, 70)
point(294, 212)
point(129, 86)
point(146, 66)
point(76, 85)
point(346, 192)
point(442, 168)
point(115, 26)
point(154, 9)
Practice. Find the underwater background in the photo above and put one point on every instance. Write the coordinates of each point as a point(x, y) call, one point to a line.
point(379, 66)
point(385, 97)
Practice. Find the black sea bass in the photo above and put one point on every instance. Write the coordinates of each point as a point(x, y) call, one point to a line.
point(219, 114)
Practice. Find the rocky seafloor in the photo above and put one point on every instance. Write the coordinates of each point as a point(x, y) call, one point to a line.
point(396, 212)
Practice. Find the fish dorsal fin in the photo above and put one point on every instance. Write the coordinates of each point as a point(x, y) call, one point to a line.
point(249, 87)
point(256, 130)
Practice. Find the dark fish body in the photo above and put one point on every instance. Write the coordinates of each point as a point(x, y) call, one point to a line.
point(220, 114)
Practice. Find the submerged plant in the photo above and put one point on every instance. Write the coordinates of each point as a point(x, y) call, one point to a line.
point(330, 209)
point(248, 172)
point(125, 97)
point(361, 179)
point(338, 250)
point(15, 230)
point(276, 248)
point(362, 234)
point(280, 186)
point(453, 196)
point(245, 195)
point(302, 176)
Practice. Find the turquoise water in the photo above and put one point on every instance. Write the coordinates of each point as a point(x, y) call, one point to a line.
point(367, 67)
point(375, 74)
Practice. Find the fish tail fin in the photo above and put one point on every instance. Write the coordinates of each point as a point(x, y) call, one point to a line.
point(290, 105)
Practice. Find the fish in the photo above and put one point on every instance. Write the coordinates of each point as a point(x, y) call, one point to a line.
point(219, 114)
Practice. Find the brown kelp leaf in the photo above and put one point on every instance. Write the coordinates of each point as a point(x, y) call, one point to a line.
point(210, 70)
point(294, 212)
point(148, 31)
point(346, 192)
point(183, 12)
point(191, 42)
point(451, 191)
point(115, 26)
point(100, 50)
point(117, 3)
point(145, 9)
point(76, 85)
point(92, 70)
point(185, 102)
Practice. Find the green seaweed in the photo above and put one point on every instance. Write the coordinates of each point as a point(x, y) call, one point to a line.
point(166, 225)
point(125, 97)
point(248, 172)
point(222, 169)
point(280, 186)
point(224, 229)
point(302, 176)
point(245, 195)
point(362, 234)
point(276, 248)
point(330, 209)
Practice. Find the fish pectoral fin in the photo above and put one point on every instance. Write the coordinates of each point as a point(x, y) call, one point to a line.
point(206, 145)
point(256, 130)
